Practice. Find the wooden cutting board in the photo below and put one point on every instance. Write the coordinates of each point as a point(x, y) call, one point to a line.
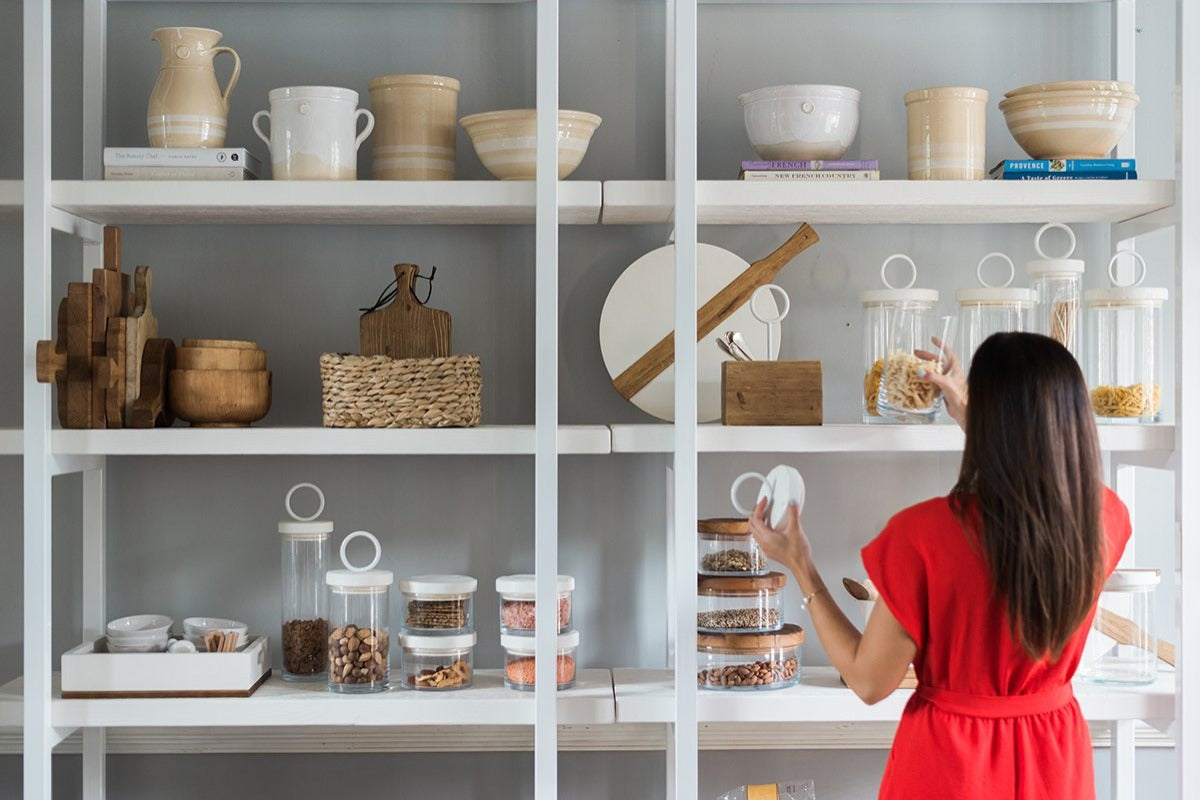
point(86, 325)
point(52, 362)
point(405, 328)
point(151, 409)
point(141, 327)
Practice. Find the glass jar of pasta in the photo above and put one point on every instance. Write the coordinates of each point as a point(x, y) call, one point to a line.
point(1058, 285)
point(991, 309)
point(879, 310)
point(1125, 355)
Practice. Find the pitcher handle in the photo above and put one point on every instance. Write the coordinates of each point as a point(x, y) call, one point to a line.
point(237, 70)
point(254, 124)
point(367, 130)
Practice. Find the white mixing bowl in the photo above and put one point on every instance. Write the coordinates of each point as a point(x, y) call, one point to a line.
point(801, 121)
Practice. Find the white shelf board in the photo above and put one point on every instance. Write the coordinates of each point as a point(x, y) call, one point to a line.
point(279, 702)
point(266, 441)
point(855, 438)
point(890, 202)
point(320, 202)
point(10, 441)
point(647, 696)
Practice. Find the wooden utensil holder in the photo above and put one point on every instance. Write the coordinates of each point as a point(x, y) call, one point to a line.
point(771, 393)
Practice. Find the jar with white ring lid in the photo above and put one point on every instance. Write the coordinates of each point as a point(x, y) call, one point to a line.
point(304, 559)
point(1122, 647)
point(880, 307)
point(438, 663)
point(1125, 332)
point(520, 666)
point(725, 547)
point(749, 661)
point(1058, 288)
point(991, 309)
point(438, 604)
point(740, 604)
point(358, 623)
point(518, 608)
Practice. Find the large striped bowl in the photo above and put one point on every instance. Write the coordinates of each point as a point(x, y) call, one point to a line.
point(1068, 124)
point(506, 141)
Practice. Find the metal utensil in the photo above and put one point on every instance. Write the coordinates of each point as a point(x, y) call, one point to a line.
point(727, 350)
point(738, 342)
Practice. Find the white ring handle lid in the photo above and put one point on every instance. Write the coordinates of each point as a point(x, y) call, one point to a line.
point(781, 487)
point(1133, 294)
point(309, 527)
point(361, 577)
point(1057, 265)
point(989, 294)
point(898, 294)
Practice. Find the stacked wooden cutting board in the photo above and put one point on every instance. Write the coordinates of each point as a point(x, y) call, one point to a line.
point(108, 363)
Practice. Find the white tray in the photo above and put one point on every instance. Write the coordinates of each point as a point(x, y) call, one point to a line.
point(89, 672)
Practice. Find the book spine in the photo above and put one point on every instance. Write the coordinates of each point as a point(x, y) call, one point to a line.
point(168, 173)
point(811, 175)
point(1126, 175)
point(181, 157)
point(754, 166)
point(1068, 165)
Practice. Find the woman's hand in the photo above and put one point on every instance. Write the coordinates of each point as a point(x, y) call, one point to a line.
point(789, 544)
point(952, 382)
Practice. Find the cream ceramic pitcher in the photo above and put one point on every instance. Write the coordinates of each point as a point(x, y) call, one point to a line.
point(187, 107)
point(312, 133)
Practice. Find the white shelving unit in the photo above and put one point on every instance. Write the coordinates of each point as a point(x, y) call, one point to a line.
point(624, 709)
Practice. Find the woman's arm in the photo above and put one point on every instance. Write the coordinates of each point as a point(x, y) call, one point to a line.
point(872, 663)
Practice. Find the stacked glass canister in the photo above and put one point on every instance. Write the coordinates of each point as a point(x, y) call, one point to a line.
point(518, 621)
point(438, 643)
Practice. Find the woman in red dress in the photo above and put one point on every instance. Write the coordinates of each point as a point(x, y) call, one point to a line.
point(989, 592)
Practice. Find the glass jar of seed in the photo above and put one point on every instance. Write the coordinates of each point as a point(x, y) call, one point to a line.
point(751, 604)
point(725, 547)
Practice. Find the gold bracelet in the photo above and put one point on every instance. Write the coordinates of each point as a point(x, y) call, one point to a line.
point(809, 598)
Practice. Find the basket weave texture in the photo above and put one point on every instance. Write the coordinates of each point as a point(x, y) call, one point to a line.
point(382, 392)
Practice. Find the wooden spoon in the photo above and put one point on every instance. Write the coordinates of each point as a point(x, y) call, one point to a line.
point(1124, 631)
point(858, 590)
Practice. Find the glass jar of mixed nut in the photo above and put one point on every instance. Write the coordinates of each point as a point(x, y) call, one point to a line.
point(437, 663)
point(740, 604)
point(359, 633)
point(749, 661)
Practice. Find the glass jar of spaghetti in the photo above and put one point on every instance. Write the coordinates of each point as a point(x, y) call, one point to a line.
point(1125, 351)
point(1058, 286)
point(879, 310)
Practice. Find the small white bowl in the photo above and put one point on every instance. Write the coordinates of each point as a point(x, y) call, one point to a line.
point(121, 647)
point(506, 141)
point(196, 628)
point(801, 121)
point(139, 626)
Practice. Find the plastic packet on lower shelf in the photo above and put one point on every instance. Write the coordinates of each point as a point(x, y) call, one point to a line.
point(792, 790)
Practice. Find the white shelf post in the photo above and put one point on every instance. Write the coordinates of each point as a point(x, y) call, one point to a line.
point(545, 757)
point(39, 737)
point(1122, 755)
point(95, 62)
point(95, 516)
point(684, 769)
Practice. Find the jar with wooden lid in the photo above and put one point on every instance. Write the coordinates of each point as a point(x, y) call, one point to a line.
point(749, 661)
point(725, 547)
point(739, 604)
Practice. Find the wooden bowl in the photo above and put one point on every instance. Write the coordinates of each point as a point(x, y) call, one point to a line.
point(220, 358)
point(220, 398)
point(226, 344)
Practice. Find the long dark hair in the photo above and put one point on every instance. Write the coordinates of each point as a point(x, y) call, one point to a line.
point(1032, 465)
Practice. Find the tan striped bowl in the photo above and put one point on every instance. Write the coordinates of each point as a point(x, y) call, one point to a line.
point(1068, 123)
point(506, 141)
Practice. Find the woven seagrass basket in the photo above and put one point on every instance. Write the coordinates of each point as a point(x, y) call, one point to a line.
point(382, 392)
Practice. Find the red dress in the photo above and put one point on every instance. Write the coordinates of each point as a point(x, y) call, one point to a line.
point(988, 722)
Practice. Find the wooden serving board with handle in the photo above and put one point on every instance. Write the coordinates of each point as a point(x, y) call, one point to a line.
point(405, 328)
point(141, 327)
point(151, 409)
point(735, 295)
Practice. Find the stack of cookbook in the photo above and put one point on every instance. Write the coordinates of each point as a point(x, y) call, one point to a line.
point(180, 164)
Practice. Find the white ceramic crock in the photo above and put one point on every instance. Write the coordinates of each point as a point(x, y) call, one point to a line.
point(313, 133)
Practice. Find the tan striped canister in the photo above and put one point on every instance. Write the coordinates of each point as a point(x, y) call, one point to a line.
point(946, 133)
point(416, 120)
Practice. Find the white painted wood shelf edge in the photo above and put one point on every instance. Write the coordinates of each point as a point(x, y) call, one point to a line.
point(267, 441)
point(648, 696)
point(320, 202)
point(278, 702)
point(856, 438)
point(890, 202)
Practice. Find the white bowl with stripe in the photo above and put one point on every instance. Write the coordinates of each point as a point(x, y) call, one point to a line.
point(1068, 124)
point(506, 141)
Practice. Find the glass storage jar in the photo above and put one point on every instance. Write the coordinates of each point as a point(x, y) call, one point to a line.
point(437, 663)
point(879, 309)
point(991, 309)
point(438, 604)
point(740, 604)
point(904, 395)
point(304, 558)
point(726, 547)
point(519, 661)
point(1058, 287)
point(359, 633)
point(1125, 351)
point(517, 611)
point(747, 661)
point(1122, 646)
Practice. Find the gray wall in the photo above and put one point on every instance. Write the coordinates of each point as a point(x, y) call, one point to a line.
point(175, 524)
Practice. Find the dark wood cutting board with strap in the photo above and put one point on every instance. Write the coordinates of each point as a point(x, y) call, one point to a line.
point(405, 328)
